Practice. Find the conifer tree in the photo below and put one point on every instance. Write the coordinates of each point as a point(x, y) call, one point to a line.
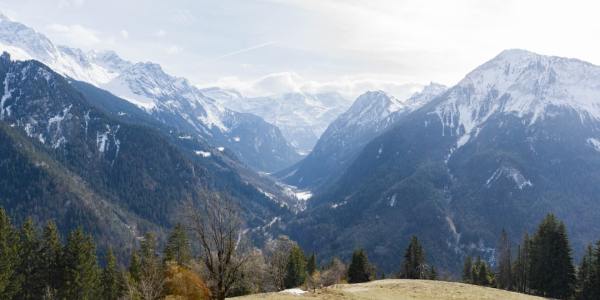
point(588, 276)
point(296, 268)
point(9, 258)
point(504, 272)
point(552, 271)
point(482, 273)
point(81, 271)
point(433, 273)
point(311, 265)
point(467, 273)
point(178, 247)
point(360, 270)
point(32, 285)
point(50, 260)
point(112, 278)
point(521, 267)
point(414, 266)
point(134, 266)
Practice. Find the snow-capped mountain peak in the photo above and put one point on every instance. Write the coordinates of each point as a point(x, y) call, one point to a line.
point(169, 99)
point(427, 94)
point(522, 83)
point(371, 107)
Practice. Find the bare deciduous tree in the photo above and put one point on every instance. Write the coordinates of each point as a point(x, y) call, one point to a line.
point(277, 252)
point(218, 231)
point(334, 273)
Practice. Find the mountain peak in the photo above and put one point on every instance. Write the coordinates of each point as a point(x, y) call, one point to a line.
point(516, 52)
point(525, 84)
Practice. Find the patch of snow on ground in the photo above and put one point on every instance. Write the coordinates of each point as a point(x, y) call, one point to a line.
point(336, 205)
point(511, 173)
point(221, 149)
point(595, 143)
point(303, 195)
point(236, 139)
point(295, 291)
point(202, 153)
point(393, 201)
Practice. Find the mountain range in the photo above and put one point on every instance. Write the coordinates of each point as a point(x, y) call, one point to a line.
point(302, 117)
point(517, 138)
point(90, 139)
point(371, 114)
point(171, 100)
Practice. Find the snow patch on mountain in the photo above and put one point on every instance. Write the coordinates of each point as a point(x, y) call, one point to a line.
point(202, 153)
point(595, 143)
point(55, 128)
point(509, 172)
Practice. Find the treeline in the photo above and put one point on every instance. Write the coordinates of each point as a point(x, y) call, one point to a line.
point(207, 257)
point(543, 265)
point(35, 263)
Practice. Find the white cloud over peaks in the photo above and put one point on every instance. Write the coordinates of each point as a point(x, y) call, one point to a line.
point(74, 35)
point(289, 82)
point(70, 3)
point(124, 34)
point(173, 49)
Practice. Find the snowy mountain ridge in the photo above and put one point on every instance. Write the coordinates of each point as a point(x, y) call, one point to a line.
point(523, 83)
point(169, 99)
point(302, 117)
point(371, 114)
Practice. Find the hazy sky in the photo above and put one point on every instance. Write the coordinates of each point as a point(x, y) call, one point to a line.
point(266, 46)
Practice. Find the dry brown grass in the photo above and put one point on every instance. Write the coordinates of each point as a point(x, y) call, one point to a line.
point(400, 289)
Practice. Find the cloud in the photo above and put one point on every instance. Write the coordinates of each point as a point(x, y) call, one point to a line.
point(244, 50)
point(70, 3)
point(74, 35)
point(124, 34)
point(181, 17)
point(173, 49)
point(160, 33)
point(290, 82)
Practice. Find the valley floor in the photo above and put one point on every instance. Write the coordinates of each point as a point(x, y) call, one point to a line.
point(397, 289)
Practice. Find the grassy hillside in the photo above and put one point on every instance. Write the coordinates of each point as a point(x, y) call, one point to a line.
point(399, 289)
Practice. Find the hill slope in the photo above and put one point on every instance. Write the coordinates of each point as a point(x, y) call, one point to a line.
point(400, 289)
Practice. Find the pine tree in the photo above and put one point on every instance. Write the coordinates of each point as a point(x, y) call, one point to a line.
point(296, 268)
point(433, 273)
point(50, 260)
point(414, 266)
point(359, 270)
point(467, 273)
point(596, 273)
point(112, 278)
point(178, 247)
point(552, 271)
point(482, 277)
point(135, 266)
point(521, 267)
point(588, 275)
point(311, 265)
point(503, 274)
point(9, 258)
point(32, 285)
point(81, 272)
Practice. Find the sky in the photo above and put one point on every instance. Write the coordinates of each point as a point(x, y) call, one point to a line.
point(265, 47)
